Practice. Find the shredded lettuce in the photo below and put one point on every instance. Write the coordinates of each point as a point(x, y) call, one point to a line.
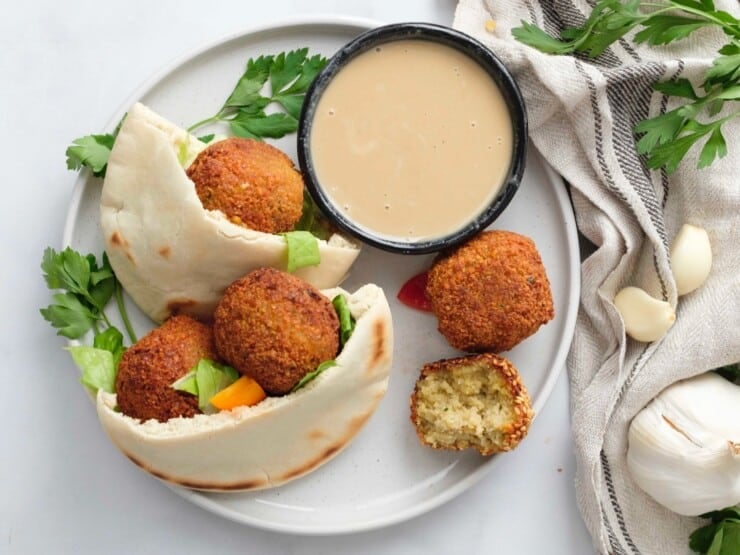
point(346, 321)
point(205, 380)
point(98, 367)
point(303, 249)
point(110, 340)
point(312, 375)
point(346, 327)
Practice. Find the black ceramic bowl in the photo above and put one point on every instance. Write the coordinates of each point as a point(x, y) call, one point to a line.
point(485, 59)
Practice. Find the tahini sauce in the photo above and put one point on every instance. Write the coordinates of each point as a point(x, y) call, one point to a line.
point(411, 140)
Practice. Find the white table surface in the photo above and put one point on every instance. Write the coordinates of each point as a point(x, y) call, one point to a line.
point(65, 67)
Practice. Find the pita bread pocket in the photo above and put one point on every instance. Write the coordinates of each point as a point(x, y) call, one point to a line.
point(170, 254)
point(280, 438)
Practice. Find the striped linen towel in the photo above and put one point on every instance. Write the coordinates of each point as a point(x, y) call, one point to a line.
point(582, 113)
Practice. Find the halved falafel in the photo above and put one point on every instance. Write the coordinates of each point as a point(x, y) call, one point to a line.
point(275, 328)
point(149, 368)
point(490, 293)
point(254, 184)
point(471, 402)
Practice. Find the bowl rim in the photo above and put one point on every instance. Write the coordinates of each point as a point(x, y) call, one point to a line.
point(463, 43)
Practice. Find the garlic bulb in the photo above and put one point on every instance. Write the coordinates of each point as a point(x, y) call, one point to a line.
point(684, 446)
point(691, 258)
point(645, 318)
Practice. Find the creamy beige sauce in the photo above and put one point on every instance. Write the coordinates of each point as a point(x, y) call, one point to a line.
point(411, 140)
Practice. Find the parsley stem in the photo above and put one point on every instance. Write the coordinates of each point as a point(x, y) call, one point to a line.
point(124, 313)
point(105, 318)
point(203, 122)
point(730, 29)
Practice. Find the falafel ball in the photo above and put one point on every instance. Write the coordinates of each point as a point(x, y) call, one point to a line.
point(149, 368)
point(254, 184)
point(275, 328)
point(490, 293)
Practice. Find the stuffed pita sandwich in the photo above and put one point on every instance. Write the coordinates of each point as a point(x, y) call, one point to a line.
point(280, 438)
point(171, 254)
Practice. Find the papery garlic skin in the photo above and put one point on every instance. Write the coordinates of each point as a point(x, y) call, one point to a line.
point(684, 446)
point(691, 258)
point(645, 318)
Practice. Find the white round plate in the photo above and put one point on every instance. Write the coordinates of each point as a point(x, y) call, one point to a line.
point(385, 475)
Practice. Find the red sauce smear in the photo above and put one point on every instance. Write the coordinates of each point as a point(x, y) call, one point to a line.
point(413, 293)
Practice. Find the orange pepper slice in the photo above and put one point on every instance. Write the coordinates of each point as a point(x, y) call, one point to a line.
point(244, 391)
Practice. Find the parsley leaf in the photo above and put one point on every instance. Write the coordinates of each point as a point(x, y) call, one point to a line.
point(262, 125)
point(70, 316)
point(88, 287)
point(721, 536)
point(287, 76)
point(92, 151)
point(666, 138)
point(281, 81)
point(715, 147)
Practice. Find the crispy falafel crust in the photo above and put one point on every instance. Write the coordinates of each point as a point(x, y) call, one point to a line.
point(275, 328)
point(254, 184)
point(476, 401)
point(149, 368)
point(491, 293)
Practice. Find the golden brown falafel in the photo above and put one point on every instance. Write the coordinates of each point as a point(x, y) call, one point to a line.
point(490, 293)
point(475, 401)
point(275, 327)
point(149, 368)
point(254, 184)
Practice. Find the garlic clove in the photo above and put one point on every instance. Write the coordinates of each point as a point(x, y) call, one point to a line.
point(645, 318)
point(691, 258)
point(683, 446)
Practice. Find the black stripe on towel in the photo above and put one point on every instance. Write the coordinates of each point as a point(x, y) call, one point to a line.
point(615, 504)
point(629, 90)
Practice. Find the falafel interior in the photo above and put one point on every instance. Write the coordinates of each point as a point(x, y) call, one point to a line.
point(475, 401)
point(253, 183)
point(148, 369)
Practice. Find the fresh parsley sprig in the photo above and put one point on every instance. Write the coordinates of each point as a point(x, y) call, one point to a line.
point(87, 286)
point(721, 536)
point(289, 75)
point(92, 151)
point(667, 138)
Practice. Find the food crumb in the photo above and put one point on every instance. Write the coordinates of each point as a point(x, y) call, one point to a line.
point(490, 25)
